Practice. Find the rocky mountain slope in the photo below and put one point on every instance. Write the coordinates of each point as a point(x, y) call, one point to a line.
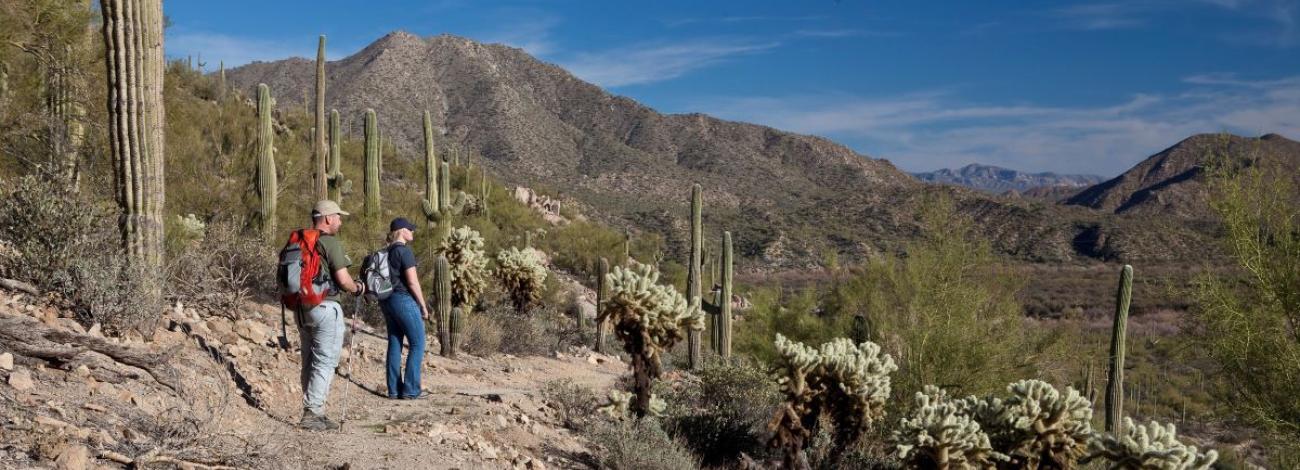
point(787, 198)
point(1172, 182)
point(998, 180)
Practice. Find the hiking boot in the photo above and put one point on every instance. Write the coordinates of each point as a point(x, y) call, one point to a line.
point(314, 422)
point(423, 395)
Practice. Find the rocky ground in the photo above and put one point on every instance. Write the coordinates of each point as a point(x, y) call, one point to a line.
point(237, 400)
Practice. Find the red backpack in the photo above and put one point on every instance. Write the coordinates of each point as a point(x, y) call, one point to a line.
point(303, 282)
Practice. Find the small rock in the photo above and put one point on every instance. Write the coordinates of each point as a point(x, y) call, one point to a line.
point(82, 371)
point(523, 419)
point(94, 407)
point(95, 330)
point(51, 422)
point(7, 361)
point(72, 457)
point(21, 380)
point(501, 420)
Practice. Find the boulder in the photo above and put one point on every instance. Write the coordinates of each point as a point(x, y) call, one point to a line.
point(69, 456)
point(7, 361)
point(21, 380)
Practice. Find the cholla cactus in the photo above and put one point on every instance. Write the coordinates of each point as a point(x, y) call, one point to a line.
point(648, 318)
point(1153, 446)
point(848, 382)
point(619, 405)
point(522, 273)
point(463, 248)
point(940, 434)
point(1037, 425)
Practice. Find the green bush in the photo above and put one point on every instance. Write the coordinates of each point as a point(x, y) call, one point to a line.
point(722, 411)
point(637, 445)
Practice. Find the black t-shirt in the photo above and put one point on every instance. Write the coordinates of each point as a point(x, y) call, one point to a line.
point(400, 257)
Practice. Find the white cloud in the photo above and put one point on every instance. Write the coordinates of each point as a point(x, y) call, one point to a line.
point(649, 63)
point(1101, 16)
point(924, 131)
point(525, 28)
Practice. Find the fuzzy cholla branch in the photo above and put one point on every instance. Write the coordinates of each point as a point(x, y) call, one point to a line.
point(639, 305)
point(463, 248)
point(619, 405)
point(939, 434)
point(1037, 425)
point(849, 382)
point(1149, 447)
point(523, 275)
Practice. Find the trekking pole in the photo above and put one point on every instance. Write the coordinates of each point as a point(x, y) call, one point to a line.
point(352, 340)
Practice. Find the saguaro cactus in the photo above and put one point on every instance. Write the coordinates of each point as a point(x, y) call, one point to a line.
point(483, 193)
point(371, 185)
point(335, 171)
point(322, 191)
point(457, 327)
point(724, 316)
point(431, 204)
point(266, 178)
point(693, 280)
point(221, 78)
point(602, 293)
point(442, 302)
point(133, 38)
point(1115, 382)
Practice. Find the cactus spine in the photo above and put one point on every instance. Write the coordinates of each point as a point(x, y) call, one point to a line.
point(133, 39)
point(266, 181)
point(432, 203)
point(372, 164)
point(322, 191)
point(602, 293)
point(335, 171)
point(1115, 382)
point(724, 303)
point(442, 299)
point(693, 280)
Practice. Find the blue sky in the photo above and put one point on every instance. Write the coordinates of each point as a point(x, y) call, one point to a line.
point(1088, 87)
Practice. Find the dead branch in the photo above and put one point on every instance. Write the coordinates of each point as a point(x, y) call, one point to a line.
point(19, 286)
point(25, 336)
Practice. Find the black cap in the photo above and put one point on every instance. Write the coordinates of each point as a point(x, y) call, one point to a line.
point(400, 223)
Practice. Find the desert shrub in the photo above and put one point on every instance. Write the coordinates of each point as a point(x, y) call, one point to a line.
point(575, 404)
point(69, 247)
point(1250, 324)
point(218, 268)
point(522, 275)
point(637, 445)
point(481, 336)
point(722, 410)
point(1151, 446)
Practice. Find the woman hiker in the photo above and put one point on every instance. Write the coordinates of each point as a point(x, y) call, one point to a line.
point(404, 313)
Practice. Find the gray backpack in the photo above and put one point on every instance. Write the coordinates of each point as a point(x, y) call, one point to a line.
point(377, 274)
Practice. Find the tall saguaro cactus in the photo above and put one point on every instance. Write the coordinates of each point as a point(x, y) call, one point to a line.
point(266, 181)
point(221, 78)
point(335, 170)
point(432, 203)
point(322, 191)
point(602, 294)
point(724, 303)
point(442, 299)
point(1115, 382)
point(133, 38)
point(372, 164)
point(693, 279)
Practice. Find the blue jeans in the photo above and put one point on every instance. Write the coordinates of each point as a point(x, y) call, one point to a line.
point(402, 316)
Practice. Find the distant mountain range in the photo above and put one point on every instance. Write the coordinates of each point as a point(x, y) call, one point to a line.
point(1000, 180)
point(787, 198)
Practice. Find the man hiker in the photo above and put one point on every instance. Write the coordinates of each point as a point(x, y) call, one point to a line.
point(321, 329)
point(404, 313)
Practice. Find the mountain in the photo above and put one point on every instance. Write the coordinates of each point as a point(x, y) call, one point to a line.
point(787, 198)
point(998, 180)
point(1172, 182)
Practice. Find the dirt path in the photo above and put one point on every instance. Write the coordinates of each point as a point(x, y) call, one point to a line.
point(482, 412)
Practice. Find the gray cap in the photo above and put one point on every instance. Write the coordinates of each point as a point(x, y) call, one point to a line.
point(326, 207)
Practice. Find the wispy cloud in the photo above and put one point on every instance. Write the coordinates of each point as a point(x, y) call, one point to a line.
point(526, 28)
point(655, 62)
point(935, 129)
point(1101, 16)
point(741, 19)
point(1281, 16)
point(843, 33)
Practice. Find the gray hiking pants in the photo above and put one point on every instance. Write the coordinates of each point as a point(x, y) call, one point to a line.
point(321, 332)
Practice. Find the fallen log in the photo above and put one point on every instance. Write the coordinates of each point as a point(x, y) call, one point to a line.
point(24, 335)
point(19, 286)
